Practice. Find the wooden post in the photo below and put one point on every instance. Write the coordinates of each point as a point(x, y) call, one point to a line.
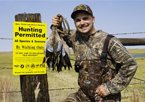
point(34, 88)
point(132, 41)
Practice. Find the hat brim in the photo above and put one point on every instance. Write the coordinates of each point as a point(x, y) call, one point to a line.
point(75, 12)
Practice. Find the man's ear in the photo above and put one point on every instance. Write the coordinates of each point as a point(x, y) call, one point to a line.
point(93, 19)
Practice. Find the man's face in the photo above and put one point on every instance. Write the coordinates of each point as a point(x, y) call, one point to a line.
point(84, 23)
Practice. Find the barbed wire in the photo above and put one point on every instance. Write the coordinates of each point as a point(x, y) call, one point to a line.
point(133, 77)
point(5, 68)
point(58, 89)
point(63, 88)
point(129, 33)
point(143, 58)
point(138, 79)
point(6, 38)
point(126, 97)
point(112, 34)
point(48, 90)
point(10, 92)
point(135, 83)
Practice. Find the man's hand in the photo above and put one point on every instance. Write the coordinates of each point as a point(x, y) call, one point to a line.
point(101, 91)
point(57, 20)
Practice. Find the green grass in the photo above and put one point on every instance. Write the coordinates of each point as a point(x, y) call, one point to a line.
point(136, 91)
point(137, 51)
point(65, 79)
point(6, 61)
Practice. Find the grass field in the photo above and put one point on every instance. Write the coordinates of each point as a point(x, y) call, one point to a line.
point(135, 92)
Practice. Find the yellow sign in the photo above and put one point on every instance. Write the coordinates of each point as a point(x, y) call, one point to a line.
point(28, 48)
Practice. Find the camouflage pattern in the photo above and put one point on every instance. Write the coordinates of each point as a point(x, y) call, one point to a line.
point(121, 67)
point(80, 96)
point(81, 7)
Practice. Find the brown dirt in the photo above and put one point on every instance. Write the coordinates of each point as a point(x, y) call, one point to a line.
point(10, 53)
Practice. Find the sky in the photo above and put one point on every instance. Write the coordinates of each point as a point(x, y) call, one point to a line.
point(111, 16)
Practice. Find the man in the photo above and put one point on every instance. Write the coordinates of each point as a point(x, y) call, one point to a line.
point(96, 84)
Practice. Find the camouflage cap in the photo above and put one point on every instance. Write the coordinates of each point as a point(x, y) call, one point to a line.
point(81, 7)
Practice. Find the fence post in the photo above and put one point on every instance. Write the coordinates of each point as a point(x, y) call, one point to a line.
point(132, 41)
point(34, 88)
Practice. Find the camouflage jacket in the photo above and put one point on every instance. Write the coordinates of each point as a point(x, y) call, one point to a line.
point(91, 48)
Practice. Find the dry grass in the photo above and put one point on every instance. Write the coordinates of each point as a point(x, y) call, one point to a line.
point(6, 87)
point(65, 79)
point(136, 89)
point(137, 51)
point(10, 53)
